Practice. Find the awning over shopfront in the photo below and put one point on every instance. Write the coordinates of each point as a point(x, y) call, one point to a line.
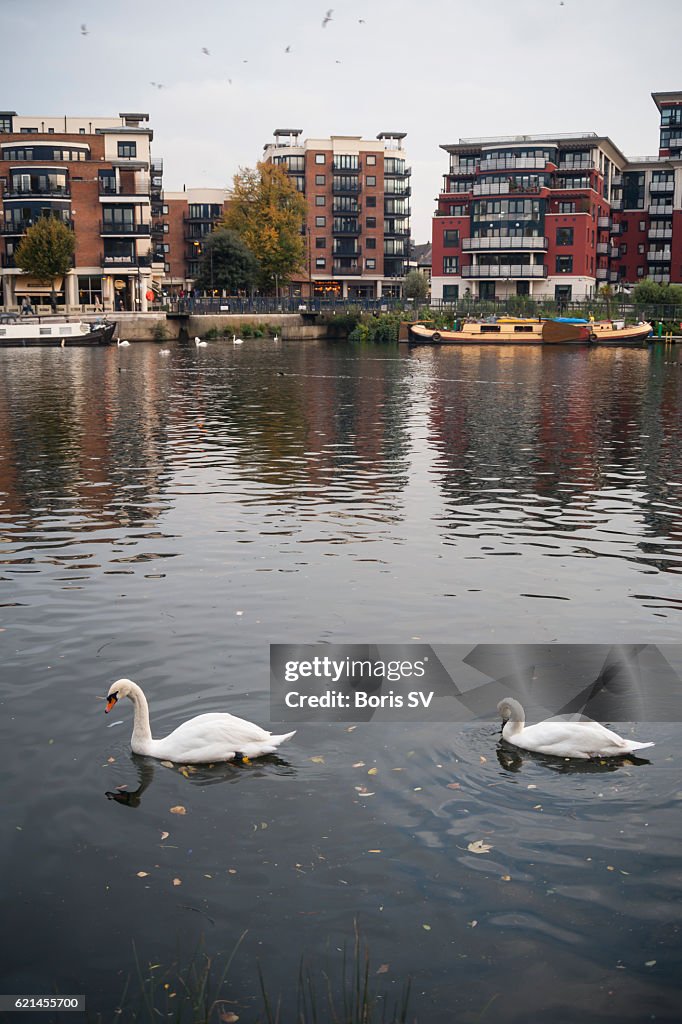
point(27, 285)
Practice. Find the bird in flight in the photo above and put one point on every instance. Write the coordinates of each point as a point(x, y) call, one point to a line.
point(288, 49)
point(327, 17)
point(205, 50)
point(361, 21)
point(84, 30)
point(157, 85)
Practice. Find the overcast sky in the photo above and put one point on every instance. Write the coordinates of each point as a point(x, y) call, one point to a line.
point(436, 69)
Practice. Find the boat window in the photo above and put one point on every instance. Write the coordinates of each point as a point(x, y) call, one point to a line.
point(45, 330)
point(490, 328)
point(2, 330)
point(65, 330)
point(524, 327)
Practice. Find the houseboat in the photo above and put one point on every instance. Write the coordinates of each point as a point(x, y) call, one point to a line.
point(504, 331)
point(16, 332)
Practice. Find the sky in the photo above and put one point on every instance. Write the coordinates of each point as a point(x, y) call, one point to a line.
point(439, 70)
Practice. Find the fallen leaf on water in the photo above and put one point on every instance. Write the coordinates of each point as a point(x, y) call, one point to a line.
point(228, 1017)
point(316, 760)
point(372, 771)
point(649, 963)
point(478, 846)
point(374, 851)
point(532, 786)
point(232, 871)
point(483, 760)
point(183, 771)
point(359, 764)
point(426, 927)
point(110, 760)
point(167, 764)
point(351, 728)
point(506, 878)
point(164, 835)
point(383, 969)
point(208, 876)
point(454, 785)
point(537, 807)
point(178, 809)
point(610, 867)
point(177, 881)
point(263, 824)
point(472, 924)
point(142, 874)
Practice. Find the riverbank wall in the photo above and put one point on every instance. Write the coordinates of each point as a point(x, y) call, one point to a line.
point(159, 327)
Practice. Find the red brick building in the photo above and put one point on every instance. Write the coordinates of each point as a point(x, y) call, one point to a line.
point(357, 228)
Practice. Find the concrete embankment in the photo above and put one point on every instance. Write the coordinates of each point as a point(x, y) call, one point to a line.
point(157, 327)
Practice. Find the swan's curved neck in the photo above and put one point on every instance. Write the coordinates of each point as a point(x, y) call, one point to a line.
point(516, 722)
point(141, 727)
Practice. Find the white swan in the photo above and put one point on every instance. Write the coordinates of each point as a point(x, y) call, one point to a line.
point(581, 739)
point(276, 338)
point(200, 344)
point(122, 344)
point(237, 341)
point(164, 351)
point(209, 737)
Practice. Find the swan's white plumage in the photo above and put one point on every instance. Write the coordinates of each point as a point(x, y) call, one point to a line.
point(123, 343)
point(200, 344)
point(581, 739)
point(236, 340)
point(214, 736)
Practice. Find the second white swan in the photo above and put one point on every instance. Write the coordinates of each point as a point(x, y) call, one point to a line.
point(214, 736)
point(582, 739)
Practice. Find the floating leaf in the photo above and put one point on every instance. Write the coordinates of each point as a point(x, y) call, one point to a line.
point(232, 871)
point(177, 881)
point(532, 786)
point(359, 764)
point(351, 728)
point(506, 878)
point(167, 764)
point(263, 824)
point(208, 876)
point(164, 835)
point(228, 1017)
point(649, 963)
point(383, 969)
point(426, 927)
point(142, 874)
point(372, 771)
point(610, 867)
point(472, 924)
point(478, 846)
point(454, 785)
point(483, 760)
point(374, 851)
point(111, 760)
point(178, 809)
point(316, 760)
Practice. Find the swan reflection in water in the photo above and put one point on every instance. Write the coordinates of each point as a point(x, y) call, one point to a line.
point(198, 775)
point(512, 758)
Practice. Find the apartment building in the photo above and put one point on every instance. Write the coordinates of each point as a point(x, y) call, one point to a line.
point(558, 216)
point(357, 228)
point(184, 220)
point(97, 175)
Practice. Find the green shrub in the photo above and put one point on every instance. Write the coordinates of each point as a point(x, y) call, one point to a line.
point(159, 332)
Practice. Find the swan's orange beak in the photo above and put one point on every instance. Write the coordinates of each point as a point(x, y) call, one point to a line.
point(110, 703)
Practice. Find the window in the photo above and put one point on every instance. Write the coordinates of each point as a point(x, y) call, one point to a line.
point(458, 211)
point(564, 236)
point(319, 158)
point(370, 160)
point(320, 262)
point(370, 222)
point(642, 225)
point(81, 131)
point(640, 271)
point(370, 179)
point(89, 290)
point(564, 264)
point(370, 201)
point(624, 224)
point(320, 200)
point(320, 222)
point(623, 248)
point(450, 292)
point(127, 149)
point(567, 207)
point(451, 264)
point(29, 131)
point(450, 238)
point(640, 248)
point(166, 247)
point(321, 243)
point(370, 243)
point(320, 179)
point(5, 124)
point(370, 264)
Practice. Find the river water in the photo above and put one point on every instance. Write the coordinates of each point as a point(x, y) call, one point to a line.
point(168, 518)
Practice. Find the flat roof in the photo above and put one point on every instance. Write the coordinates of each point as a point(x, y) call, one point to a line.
point(666, 97)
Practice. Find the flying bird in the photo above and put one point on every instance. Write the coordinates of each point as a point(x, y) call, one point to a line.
point(288, 49)
point(157, 85)
point(361, 21)
point(327, 17)
point(206, 51)
point(84, 30)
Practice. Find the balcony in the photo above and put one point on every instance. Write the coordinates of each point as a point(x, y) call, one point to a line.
point(346, 207)
point(345, 188)
point(584, 165)
point(660, 278)
point(616, 204)
point(339, 168)
point(613, 276)
point(56, 192)
point(504, 188)
point(675, 142)
point(506, 272)
point(397, 190)
point(500, 243)
point(614, 251)
point(660, 210)
point(616, 229)
point(602, 248)
point(603, 222)
point(662, 186)
point(617, 181)
point(396, 232)
point(131, 260)
point(663, 233)
point(131, 230)
point(659, 255)
point(513, 163)
point(107, 190)
point(354, 269)
point(19, 228)
point(346, 252)
point(602, 273)
point(405, 173)
point(346, 230)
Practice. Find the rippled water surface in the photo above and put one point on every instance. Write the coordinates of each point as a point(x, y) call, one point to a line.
point(168, 519)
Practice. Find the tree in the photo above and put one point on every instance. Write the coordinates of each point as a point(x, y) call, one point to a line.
point(648, 293)
point(267, 212)
point(46, 251)
point(607, 293)
point(226, 262)
point(416, 285)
